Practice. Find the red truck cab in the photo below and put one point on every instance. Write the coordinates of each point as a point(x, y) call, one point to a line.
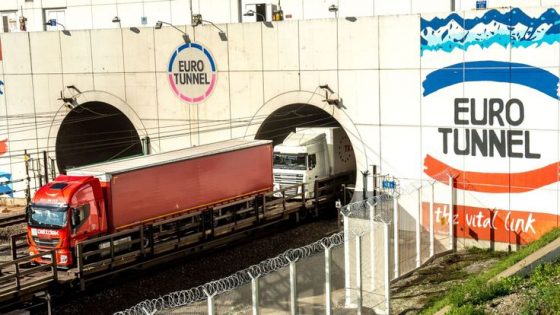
point(62, 213)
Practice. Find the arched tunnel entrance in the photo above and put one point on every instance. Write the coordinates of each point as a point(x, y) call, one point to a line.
point(95, 132)
point(291, 165)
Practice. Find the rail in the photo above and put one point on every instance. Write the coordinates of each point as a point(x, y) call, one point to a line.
point(12, 220)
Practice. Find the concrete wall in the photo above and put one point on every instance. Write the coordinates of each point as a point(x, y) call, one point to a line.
point(378, 65)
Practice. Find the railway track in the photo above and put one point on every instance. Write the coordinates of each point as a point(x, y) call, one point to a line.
point(147, 246)
point(12, 220)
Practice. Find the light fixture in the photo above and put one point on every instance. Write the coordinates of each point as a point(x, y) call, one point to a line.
point(333, 8)
point(196, 20)
point(54, 23)
point(185, 36)
point(253, 13)
point(331, 101)
point(68, 96)
point(116, 19)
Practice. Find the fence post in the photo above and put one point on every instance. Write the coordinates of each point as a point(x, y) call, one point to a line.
point(432, 247)
point(451, 240)
point(347, 292)
point(328, 302)
point(359, 273)
point(372, 245)
point(293, 288)
point(387, 268)
point(396, 234)
point(255, 293)
point(46, 166)
point(210, 298)
point(419, 229)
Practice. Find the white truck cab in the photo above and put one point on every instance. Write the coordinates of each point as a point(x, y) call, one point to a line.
point(309, 154)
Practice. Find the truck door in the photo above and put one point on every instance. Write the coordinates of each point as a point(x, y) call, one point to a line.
point(84, 214)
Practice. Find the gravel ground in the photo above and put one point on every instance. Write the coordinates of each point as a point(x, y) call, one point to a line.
point(412, 293)
point(132, 289)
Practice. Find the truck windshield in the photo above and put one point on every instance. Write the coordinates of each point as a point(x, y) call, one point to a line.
point(290, 161)
point(48, 216)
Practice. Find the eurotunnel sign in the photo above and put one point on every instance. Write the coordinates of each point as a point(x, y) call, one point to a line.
point(192, 73)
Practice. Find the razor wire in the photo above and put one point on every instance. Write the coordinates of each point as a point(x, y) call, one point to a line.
point(229, 283)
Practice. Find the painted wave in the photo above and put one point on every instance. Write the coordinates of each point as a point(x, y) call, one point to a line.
point(512, 27)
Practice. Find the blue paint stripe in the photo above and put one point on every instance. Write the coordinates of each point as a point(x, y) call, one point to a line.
point(177, 51)
point(207, 53)
point(494, 71)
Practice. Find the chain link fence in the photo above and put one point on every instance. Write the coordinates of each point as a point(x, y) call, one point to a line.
point(384, 238)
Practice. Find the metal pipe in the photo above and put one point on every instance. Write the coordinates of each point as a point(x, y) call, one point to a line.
point(293, 289)
point(211, 309)
point(432, 247)
point(387, 276)
point(451, 240)
point(347, 292)
point(418, 229)
point(328, 289)
point(396, 234)
point(359, 273)
point(45, 163)
point(255, 294)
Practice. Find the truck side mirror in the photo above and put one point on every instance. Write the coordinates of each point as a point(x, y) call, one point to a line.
point(75, 217)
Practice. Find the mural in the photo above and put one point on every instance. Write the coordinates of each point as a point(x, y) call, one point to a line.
point(490, 117)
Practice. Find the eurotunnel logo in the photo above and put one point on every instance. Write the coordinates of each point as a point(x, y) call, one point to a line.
point(192, 73)
point(493, 114)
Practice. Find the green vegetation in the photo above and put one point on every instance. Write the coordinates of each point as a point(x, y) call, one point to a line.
point(470, 297)
point(545, 298)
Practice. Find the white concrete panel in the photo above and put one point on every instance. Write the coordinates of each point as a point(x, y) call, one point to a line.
point(78, 18)
point(174, 119)
point(35, 20)
point(47, 93)
point(8, 5)
point(246, 96)
point(209, 12)
point(545, 56)
point(438, 106)
point(112, 83)
point(368, 141)
point(398, 108)
point(316, 9)
point(433, 56)
point(281, 46)
point(19, 94)
point(549, 3)
point(45, 52)
point(393, 7)
point(102, 16)
point(430, 6)
point(495, 52)
point(317, 52)
point(278, 82)
point(139, 50)
point(358, 43)
point(157, 11)
point(194, 125)
point(98, 2)
point(310, 81)
point(84, 82)
point(107, 50)
point(86, 2)
point(356, 8)
point(76, 52)
point(15, 53)
point(293, 9)
point(214, 114)
point(131, 14)
point(141, 94)
point(180, 13)
point(359, 91)
point(208, 36)
point(245, 46)
point(399, 42)
point(53, 3)
point(167, 40)
point(400, 151)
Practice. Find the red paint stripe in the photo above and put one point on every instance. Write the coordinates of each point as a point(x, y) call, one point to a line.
point(493, 182)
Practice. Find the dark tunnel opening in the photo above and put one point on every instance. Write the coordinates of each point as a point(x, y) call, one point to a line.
point(95, 132)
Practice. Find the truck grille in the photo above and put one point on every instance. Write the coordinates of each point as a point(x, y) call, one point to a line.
point(286, 180)
point(46, 242)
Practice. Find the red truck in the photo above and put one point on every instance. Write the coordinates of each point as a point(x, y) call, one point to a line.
point(109, 197)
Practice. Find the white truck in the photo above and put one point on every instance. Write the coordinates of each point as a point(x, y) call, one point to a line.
point(310, 154)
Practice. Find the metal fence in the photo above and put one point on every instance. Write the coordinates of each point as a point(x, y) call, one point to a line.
point(350, 272)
